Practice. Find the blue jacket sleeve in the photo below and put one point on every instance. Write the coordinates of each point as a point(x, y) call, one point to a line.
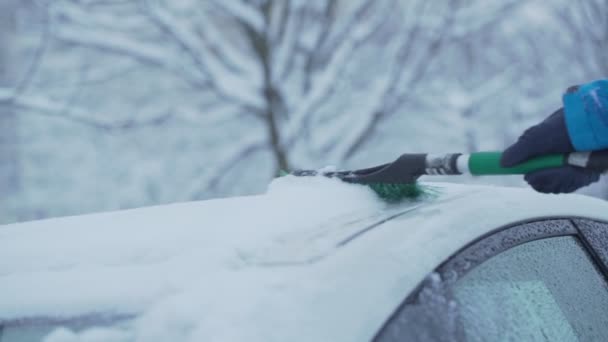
point(586, 113)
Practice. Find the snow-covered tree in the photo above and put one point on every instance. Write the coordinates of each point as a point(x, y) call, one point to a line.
point(283, 66)
point(298, 81)
point(138, 102)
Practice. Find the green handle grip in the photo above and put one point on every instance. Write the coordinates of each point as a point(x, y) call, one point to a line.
point(488, 163)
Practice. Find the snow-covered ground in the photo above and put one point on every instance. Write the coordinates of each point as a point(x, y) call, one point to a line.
point(274, 267)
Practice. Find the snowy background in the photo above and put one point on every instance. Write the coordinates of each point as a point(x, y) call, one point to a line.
point(126, 103)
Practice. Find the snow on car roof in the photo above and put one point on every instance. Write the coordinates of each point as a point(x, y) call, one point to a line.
point(311, 259)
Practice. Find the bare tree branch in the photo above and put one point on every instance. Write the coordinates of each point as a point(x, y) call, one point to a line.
point(274, 102)
point(187, 40)
point(245, 13)
point(289, 48)
point(324, 87)
point(32, 70)
point(210, 182)
point(277, 36)
point(393, 97)
point(312, 54)
point(120, 44)
point(93, 16)
point(47, 107)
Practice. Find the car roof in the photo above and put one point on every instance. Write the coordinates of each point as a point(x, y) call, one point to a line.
point(276, 266)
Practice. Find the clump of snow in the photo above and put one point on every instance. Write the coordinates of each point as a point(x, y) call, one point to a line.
point(321, 193)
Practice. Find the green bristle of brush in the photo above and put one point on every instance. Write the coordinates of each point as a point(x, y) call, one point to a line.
point(393, 192)
point(397, 192)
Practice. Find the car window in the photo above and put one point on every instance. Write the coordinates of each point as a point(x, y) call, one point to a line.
point(543, 290)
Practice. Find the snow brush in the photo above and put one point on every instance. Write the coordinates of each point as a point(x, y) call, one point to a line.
point(397, 180)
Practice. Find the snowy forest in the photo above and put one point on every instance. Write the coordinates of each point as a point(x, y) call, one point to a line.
point(114, 104)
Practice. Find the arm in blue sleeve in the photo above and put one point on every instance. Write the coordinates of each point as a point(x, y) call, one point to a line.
point(586, 113)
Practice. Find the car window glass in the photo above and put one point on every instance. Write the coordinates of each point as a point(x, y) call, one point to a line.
point(542, 290)
point(547, 289)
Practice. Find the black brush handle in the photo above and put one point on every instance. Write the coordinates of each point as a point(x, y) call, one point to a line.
point(598, 161)
point(405, 169)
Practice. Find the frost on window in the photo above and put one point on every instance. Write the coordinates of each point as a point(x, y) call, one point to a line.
point(430, 317)
point(544, 290)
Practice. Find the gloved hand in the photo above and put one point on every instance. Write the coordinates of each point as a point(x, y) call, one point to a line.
point(550, 136)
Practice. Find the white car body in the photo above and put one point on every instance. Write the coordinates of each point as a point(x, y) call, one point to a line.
point(249, 274)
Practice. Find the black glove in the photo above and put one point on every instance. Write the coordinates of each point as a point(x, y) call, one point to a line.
point(550, 136)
